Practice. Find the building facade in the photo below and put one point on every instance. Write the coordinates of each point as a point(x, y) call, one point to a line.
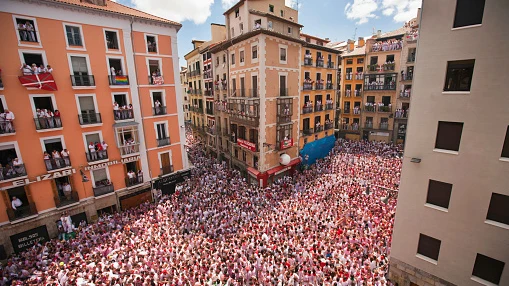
point(96, 130)
point(452, 220)
point(184, 86)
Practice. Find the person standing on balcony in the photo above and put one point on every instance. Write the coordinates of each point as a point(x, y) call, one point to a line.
point(9, 117)
point(22, 32)
point(16, 203)
point(58, 121)
point(49, 118)
point(131, 178)
point(57, 158)
point(104, 149)
point(140, 176)
point(47, 161)
point(30, 31)
point(112, 72)
point(92, 151)
point(116, 110)
point(26, 70)
point(157, 106)
point(18, 166)
point(67, 190)
point(99, 149)
point(65, 155)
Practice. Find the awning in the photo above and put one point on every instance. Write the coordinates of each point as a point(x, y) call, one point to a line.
point(125, 124)
point(253, 171)
point(281, 168)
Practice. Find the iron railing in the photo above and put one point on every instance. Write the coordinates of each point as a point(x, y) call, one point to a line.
point(82, 80)
point(89, 118)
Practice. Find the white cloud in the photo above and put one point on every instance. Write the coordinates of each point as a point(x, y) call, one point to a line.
point(361, 10)
point(177, 10)
point(400, 10)
point(227, 4)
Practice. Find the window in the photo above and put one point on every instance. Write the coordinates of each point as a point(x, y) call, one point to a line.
point(499, 208)
point(271, 8)
point(269, 25)
point(428, 246)
point(73, 35)
point(233, 59)
point(289, 30)
point(241, 55)
point(27, 30)
point(127, 140)
point(224, 59)
point(255, 52)
point(488, 269)
point(241, 26)
point(282, 54)
point(449, 135)
point(468, 12)
point(282, 13)
point(349, 61)
point(389, 58)
point(505, 148)
point(459, 75)
point(151, 44)
point(111, 40)
point(360, 61)
point(439, 194)
point(237, 13)
point(87, 110)
point(34, 58)
point(100, 177)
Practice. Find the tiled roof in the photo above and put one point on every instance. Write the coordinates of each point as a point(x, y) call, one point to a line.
point(400, 31)
point(114, 7)
point(357, 51)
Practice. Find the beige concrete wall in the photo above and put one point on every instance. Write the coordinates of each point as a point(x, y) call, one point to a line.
point(476, 171)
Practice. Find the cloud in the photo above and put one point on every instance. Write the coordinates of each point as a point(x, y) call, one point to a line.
point(361, 10)
point(177, 10)
point(227, 4)
point(400, 10)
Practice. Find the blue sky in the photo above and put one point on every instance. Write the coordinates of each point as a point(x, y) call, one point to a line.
point(334, 19)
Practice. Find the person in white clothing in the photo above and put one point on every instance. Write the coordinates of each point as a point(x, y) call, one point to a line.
point(92, 152)
point(65, 156)
point(16, 203)
point(67, 190)
point(9, 117)
point(105, 148)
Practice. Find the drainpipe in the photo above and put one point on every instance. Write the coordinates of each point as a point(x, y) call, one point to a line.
point(141, 104)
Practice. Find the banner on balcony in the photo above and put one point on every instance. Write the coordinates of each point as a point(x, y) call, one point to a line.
point(121, 80)
point(157, 80)
point(41, 81)
point(246, 144)
point(286, 144)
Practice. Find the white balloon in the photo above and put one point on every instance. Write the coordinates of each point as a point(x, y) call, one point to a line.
point(284, 159)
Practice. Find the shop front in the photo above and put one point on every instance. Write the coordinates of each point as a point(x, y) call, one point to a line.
point(280, 171)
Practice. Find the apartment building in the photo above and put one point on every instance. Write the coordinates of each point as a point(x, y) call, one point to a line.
point(318, 97)
point(352, 82)
point(452, 220)
point(194, 80)
point(184, 86)
point(97, 130)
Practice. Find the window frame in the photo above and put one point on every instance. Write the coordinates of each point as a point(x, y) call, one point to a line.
point(448, 75)
point(434, 186)
point(122, 63)
point(112, 51)
point(41, 52)
point(254, 48)
point(85, 142)
point(454, 27)
point(281, 47)
point(146, 46)
point(504, 154)
point(165, 123)
point(442, 147)
point(96, 107)
point(83, 47)
point(32, 103)
point(483, 280)
point(498, 200)
point(36, 27)
point(163, 97)
point(232, 60)
point(271, 8)
point(92, 178)
point(242, 57)
point(426, 239)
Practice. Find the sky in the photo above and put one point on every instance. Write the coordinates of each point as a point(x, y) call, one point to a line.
point(338, 20)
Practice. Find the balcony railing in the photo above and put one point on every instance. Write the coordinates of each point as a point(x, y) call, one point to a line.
point(163, 141)
point(307, 109)
point(319, 86)
point(318, 129)
point(308, 131)
point(96, 156)
point(359, 76)
point(57, 163)
point(307, 86)
point(350, 127)
point(376, 86)
point(368, 125)
point(89, 118)
point(118, 80)
point(283, 92)
point(22, 211)
point(346, 110)
point(209, 111)
point(330, 65)
point(384, 126)
point(384, 108)
point(159, 110)
point(209, 93)
point(123, 114)
point(329, 126)
point(357, 92)
point(129, 149)
point(373, 67)
point(100, 190)
point(411, 59)
point(283, 118)
point(401, 113)
point(82, 80)
point(349, 76)
point(318, 107)
point(370, 108)
point(241, 92)
point(407, 76)
point(166, 170)
point(308, 62)
point(405, 93)
point(12, 171)
point(329, 106)
point(155, 79)
point(329, 86)
point(43, 123)
point(137, 180)
point(62, 201)
point(348, 93)
point(253, 92)
point(319, 63)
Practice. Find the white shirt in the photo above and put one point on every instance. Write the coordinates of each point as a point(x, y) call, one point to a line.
point(91, 147)
point(105, 146)
point(9, 115)
point(67, 189)
point(16, 203)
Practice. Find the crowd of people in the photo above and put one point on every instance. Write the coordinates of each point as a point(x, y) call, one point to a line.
point(57, 159)
point(13, 168)
point(97, 151)
point(6, 121)
point(34, 69)
point(389, 45)
point(328, 225)
point(47, 119)
point(123, 112)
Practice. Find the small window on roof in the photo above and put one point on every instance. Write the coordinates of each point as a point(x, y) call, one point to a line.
point(271, 8)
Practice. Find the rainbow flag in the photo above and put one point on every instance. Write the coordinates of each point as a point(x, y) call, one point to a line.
point(121, 80)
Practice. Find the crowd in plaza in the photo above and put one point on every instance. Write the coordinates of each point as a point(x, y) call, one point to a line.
point(327, 225)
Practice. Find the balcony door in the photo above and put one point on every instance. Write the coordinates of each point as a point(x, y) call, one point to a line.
point(87, 109)
point(100, 177)
point(161, 131)
point(79, 65)
point(282, 85)
point(24, 209)
point(165, 163)
point(121, 99)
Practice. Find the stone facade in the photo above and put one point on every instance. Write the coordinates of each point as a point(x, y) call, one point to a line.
point(406, 275)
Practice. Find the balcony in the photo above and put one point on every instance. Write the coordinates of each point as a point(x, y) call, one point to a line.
point(318, 129)
point(389, 67)
point(62, 201)
point(129, 149)
point(82, 80)
point(307, 86)
point(89, 118)
point(96, 156)
point(308, 61)
point(359, 76)
point(284, 117)
point(211, 130)
point(249, 145)
point(377, 86)
point(10, 172)
point(159, 110)
point(118, 80)
point(166, 170)
point(319, 63)
point(330, 65)
point(329, 86)
point(163, 142)
point(103, 188)
point(155, 79)
point(368, 125)
point(356, 111)
point(350, 127)
point(209, 111)
point(348, 93)
point(209, 93)
point(136, 180)
point(405, 93)
point(346, 110)
point(307, 110)
point(385, 46)
point(318, 107)
point(253, 92)
point(384, 126)
point(22, 211)
point(57, 163)
point(370, 108)
point(357, 92)
point(385, 109)
point(207, 74)
point(308, 132)
point(42, 123)
point(319, 86)
point(197, 91)
point(348, 76)
point(329, 125)
point(401, 114)
point(243, 119)
point(407, 76)
point(411, 58)
point(329, 106)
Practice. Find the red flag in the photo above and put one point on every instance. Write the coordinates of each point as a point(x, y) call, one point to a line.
point(41, 81)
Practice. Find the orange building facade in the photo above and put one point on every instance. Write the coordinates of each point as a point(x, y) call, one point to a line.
point(108, 108)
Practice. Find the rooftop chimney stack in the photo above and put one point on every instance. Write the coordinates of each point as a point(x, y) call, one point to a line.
point(361, 42)
point(379, 33)
point(350, 45)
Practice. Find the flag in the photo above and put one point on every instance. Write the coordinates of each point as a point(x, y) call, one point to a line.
point(121, 80)
point(41, 81)
point(157, 80)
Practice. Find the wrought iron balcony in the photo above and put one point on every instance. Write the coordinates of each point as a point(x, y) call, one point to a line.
point(82, 80)
point(44, 123)
point(330, 65)
point(370, 108)
point(318, 129)
point(384, 126)
point(100, 190)
point(308, 132)
point(385, 109)
point(158, 110)
point(375, 86)
point(307, 109)
point(318, 107)
point(308, 62)
point(129, 149)
point(96, 156)
point(407, 76)
point(89, 118)
point(319, 63)
point(368, 125)
point(8, 172)
point(131, 182)
point(329, 106)
point(123, 114)
point(307, 86)
point(163, 141)
point(57, 163)
point(357, 92)
point(319, 86)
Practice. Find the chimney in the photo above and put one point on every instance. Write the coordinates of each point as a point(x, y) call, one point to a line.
point(326, 39)
point(350, 45)
point(378, 33)
point(361, 42)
